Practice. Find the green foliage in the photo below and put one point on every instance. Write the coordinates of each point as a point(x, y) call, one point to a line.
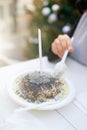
point(65, 15)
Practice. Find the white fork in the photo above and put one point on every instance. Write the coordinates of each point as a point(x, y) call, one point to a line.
point(61, 66)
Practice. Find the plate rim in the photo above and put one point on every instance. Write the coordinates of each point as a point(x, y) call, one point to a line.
point(66, 101)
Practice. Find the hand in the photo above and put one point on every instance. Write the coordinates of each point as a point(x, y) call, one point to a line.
point(60, 44)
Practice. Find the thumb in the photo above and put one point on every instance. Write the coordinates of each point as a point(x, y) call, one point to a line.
point(70, 49)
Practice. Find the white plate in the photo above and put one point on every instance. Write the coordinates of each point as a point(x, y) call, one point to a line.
point(43, 106)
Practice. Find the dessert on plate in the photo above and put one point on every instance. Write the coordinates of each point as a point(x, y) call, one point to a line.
point(39, 87)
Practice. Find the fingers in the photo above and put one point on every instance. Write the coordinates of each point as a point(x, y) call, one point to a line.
point(57, 48)
point(68, 43)
point(60, 44)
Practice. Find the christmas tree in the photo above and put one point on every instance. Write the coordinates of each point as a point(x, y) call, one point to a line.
point(53, 17)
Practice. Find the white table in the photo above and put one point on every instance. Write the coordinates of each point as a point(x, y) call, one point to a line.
point(70, 117)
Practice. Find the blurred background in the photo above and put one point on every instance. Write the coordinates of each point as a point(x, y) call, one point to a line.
point(19, 21)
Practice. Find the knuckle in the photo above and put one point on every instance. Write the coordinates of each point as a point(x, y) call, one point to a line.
point(66, 36)
point(56, 40)
point(60, 36)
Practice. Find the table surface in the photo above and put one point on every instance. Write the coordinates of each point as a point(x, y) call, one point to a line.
point(71, 117)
